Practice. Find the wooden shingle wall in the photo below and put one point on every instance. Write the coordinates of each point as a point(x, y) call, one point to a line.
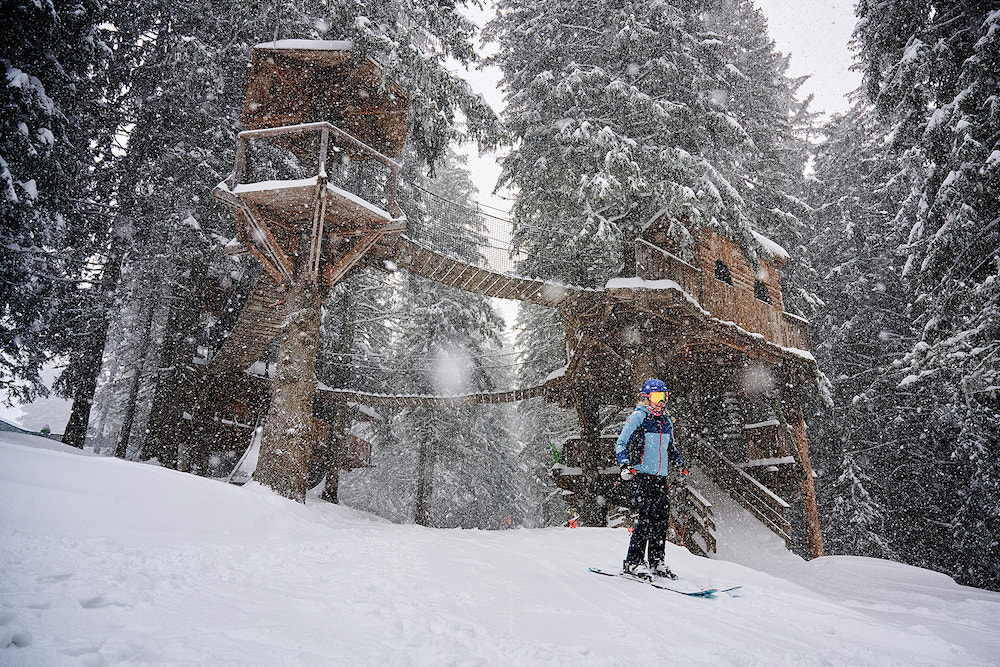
point(657, 258)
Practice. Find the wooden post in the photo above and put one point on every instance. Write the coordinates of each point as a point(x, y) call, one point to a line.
point(807, 487)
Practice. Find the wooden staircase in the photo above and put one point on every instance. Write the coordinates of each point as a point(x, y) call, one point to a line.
point(260, 321)
point(763, 503)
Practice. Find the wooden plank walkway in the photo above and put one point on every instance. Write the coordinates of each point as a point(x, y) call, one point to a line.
point(408, 254)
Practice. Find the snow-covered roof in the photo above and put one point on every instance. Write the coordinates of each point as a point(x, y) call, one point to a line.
point(307, 45)
point(771, 246)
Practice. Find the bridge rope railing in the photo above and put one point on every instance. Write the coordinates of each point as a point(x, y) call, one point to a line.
point(424, 400)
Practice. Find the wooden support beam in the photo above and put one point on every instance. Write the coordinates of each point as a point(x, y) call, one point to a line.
point(319, 211)
point(334, 272)
point(814, 534)
point(262, 238)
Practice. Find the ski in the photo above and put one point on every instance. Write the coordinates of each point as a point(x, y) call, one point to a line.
point(703, 593)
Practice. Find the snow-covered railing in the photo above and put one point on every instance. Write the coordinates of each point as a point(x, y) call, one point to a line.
point(325, 131)
point(694, 521)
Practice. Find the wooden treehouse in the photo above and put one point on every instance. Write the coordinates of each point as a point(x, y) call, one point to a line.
point(737, 364)
point(313, 190)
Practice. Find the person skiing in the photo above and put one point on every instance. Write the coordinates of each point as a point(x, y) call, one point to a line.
point(644, 450)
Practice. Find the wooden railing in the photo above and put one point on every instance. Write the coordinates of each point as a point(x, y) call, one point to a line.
point(763, 503)
point(694, 521)
point(328, 134)
point(723, 301)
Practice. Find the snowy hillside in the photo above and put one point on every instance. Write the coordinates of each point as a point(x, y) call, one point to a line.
point(104, 561)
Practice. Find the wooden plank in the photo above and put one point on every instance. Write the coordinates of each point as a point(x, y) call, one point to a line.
point(463, 278)
point(483, 278)
point(513, 286)
point(447, 278)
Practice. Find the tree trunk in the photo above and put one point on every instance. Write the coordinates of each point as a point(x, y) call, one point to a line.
point(336, 451)
point(288, 432)
point(177, 377)
point(88, 364)
point(593, 510)
point(425, 482)
point(340, 375)
point(124, 435)
point(88, 367)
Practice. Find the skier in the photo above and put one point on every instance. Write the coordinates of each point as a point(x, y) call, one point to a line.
point(644, 448)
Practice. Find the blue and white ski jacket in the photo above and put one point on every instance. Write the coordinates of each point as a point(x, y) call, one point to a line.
point(656, 434)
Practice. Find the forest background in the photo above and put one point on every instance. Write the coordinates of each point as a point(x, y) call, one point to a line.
point(118, 119)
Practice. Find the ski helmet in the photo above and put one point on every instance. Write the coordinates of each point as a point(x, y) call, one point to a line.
point(653, 385)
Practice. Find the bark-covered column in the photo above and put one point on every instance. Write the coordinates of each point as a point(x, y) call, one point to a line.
point(593, 509)
point(288, 432)
point(339, 373)
point(425, 482)
point(84, 369)
point(177, 377)
point(335, 453)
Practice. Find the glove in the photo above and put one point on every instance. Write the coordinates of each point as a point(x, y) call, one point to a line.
point(627, 473)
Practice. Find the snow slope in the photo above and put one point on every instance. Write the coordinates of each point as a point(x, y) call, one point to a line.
point(104, 561)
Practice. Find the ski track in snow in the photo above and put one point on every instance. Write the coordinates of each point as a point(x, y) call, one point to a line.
point(109, 562)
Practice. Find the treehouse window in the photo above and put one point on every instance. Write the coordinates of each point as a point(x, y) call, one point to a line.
point(722, 272)
point(760, 291)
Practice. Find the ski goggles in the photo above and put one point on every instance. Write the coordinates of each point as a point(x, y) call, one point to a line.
point(658, 396)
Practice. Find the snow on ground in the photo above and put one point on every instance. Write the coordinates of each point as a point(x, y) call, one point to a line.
point(104, 561)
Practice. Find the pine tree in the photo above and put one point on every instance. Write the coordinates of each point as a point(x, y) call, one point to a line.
point(908, 286)
point(49, 230)
point(854, 522)
point(932, 79)
point(624, 110)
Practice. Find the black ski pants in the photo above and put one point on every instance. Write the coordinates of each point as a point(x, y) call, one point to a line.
point(652, 501)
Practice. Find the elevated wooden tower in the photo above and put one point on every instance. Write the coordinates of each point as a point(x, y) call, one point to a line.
point(331, 110)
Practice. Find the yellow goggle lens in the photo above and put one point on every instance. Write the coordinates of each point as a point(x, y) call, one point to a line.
point(657, 396)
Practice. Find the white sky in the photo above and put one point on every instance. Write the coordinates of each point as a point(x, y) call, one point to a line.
point(816, 34)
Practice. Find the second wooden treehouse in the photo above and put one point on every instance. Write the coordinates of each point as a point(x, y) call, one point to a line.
point(738, 366)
